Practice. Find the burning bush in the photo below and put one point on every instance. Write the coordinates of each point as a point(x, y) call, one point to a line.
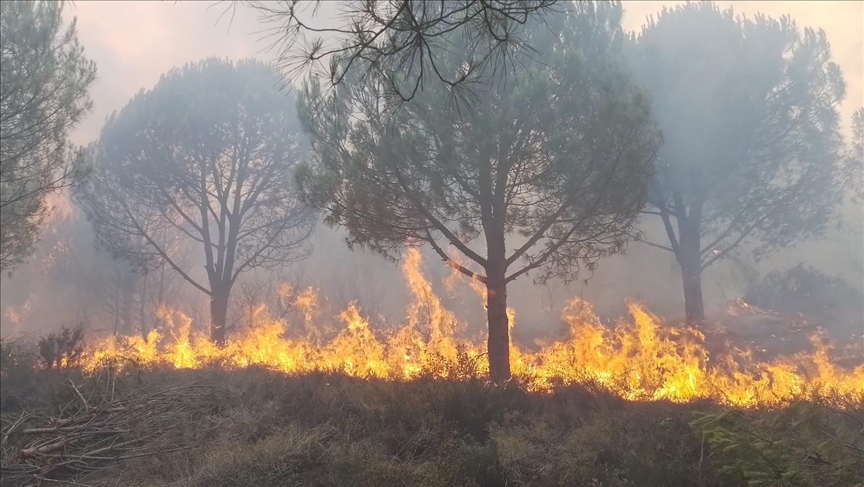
point(63, 349)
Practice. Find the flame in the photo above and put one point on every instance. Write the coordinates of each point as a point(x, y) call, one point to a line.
point(636, 359)
point(306, 302)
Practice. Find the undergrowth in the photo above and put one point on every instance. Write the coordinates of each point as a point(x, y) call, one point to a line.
point(262, 428)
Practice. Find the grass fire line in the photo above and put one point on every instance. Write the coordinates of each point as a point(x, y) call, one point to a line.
point(637, 360)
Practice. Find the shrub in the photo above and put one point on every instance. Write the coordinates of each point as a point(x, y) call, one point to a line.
point(808, 291)
point(17, 362)
point(259, 427)
point(8, 357)
point(804, 445)
point(63, 349)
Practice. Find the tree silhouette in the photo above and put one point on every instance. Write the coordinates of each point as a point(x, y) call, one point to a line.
point(546, 172)
point(748, 110)
point(44, 78)
point(206, 155)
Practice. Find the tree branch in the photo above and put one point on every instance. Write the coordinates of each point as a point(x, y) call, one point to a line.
point(731, 246)
point(160, 251)
point(452, 263)
point(652, 244)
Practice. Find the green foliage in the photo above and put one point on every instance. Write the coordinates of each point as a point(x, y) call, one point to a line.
point(213, 133)
point(62, 350)
point(805, 445)
point(407, 34)
point(44, 82)
point(558, 156)
point(550, 166)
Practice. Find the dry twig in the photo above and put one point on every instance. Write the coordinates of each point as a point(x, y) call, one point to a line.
point(94, 431)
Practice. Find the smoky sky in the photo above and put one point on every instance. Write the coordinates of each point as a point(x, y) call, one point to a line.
point(134, 42)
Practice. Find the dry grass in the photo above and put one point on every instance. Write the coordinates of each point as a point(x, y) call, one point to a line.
point(260, 428)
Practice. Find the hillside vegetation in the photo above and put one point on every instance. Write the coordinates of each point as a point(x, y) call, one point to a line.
point(214, 427)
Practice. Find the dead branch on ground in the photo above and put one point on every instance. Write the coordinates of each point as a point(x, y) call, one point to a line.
point(97, 429)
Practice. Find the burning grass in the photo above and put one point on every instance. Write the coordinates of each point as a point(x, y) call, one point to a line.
point(637, 404)
point(639, 359)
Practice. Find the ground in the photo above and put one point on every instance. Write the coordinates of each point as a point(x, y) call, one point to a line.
point(248, 427)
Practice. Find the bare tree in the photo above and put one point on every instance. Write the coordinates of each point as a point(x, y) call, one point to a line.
point(276, 289)
point(553, 164)
point(116, 292)
point(748, 110)
point(44, 78)
point(160, 287)
point(409, 36)
point(128, 296)
point(207, 154)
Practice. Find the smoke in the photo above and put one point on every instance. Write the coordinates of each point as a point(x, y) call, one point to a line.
point(134, 43)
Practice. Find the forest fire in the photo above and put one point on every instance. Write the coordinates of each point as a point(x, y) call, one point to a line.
point(637, 360)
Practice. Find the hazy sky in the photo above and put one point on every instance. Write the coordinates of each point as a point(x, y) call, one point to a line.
point(133, 43)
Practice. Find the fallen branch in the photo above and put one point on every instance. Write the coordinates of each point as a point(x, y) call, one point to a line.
point(36, 451)
point(96, 431)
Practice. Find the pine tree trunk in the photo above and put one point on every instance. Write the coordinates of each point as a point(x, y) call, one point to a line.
point(691, 273)
point(218, 314)
point(499, 331)
point(498, 345)
point(693, 304)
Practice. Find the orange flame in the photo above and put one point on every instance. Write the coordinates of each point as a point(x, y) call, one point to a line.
point(637, 360)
